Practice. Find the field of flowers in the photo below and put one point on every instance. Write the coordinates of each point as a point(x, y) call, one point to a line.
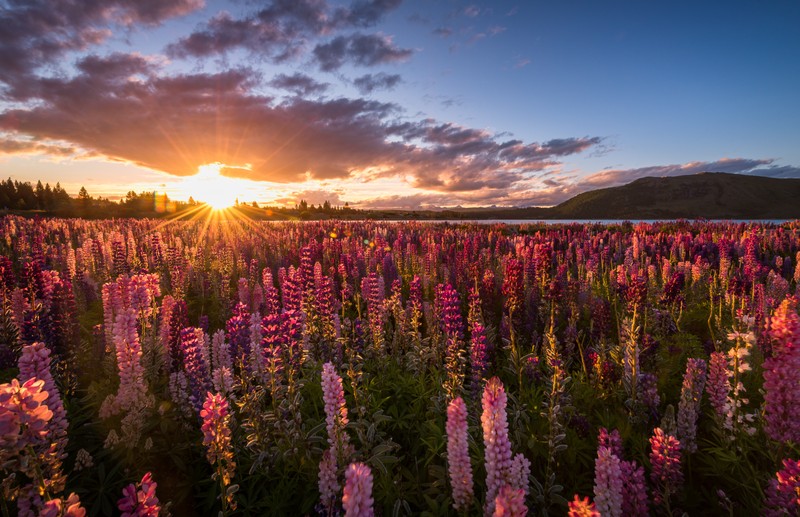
point(328, 368)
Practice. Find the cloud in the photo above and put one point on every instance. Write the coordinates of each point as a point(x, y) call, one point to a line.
point(367, 84)
point(312, 197)
point(37, 32)
point(14, 146)
point(612, 177)
point(279, 31)
point(360, 49)
point(298, 83)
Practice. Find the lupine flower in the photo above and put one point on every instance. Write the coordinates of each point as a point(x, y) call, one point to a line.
point(24, 416)
point(717, 386)
point(495, 438)
point(607, 483)
point(217, 440)
point(69, 507)
point(783, 493)
point(689, 406)
point(665, 459)
point(634, 490)
point(611, 440)
point(35, 363)
point(335, 412)
point(195, 365)
point(582, 508)
point(328, 481)
point(357, 499)
point(782, 376)
point(139, 500)
point(510, 502)
point(458, 454)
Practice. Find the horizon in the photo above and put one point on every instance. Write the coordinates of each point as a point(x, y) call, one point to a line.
point(387, 104)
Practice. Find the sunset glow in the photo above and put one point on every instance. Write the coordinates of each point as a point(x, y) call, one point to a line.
point(211, 187)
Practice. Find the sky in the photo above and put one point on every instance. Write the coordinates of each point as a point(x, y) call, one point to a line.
point(395, 103)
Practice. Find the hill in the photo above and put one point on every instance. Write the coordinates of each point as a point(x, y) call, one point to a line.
point(707, 195)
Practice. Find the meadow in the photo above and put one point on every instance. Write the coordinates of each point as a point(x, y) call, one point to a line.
point(325, 368)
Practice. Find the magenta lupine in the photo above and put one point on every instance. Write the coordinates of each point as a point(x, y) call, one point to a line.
point(195, 365)
point(634, 490)
point(783, 493)
point(717, 384)
point(608, 483)
point(217, 440)
point(611, 440)
point(666, 473)
point(140, 500)
point(458, 454)
point(510, 502)
point(452, 327)
point(272, 343)
point(782, 376)
point(34, 362)
point(357, 499)
point(495, 439)
point(689, 406)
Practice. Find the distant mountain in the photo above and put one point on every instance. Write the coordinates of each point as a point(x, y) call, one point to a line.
point(709, 195)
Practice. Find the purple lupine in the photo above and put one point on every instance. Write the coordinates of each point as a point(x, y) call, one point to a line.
point(717, 384)
point(495, 438)
point(634, 490)
point(608, 483)
point(519, 473)
point(610, 440)
point(458, 462)
point(328, 482)
point(335, 412)
point(665, 459)
point(452, 326)
point(357, 499)
point(783, 493)
point(194, 362)
point(782, 376)
point(238, 332)
point(689, 405)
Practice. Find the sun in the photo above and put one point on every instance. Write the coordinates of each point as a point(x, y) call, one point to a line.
point(209, 186)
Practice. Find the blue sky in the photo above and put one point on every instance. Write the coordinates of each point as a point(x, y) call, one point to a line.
point(389, 103)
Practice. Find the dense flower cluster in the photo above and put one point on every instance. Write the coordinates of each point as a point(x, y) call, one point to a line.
point(139, 500)
point(357, 499)
point(782, 376)
point(665, 460)
point(689, 406)
point(495, 439)
point(783, 493)
point(217, 440)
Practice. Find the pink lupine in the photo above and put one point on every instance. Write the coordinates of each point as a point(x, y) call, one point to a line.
point(665, 459)
point(34, 362)
point(717, 384)
point(217, 440)
point(634, 490)
point(689, 405)
point(24, 417)
point(69, 507)
point(582, 508)
point(783, 493)
point(328, 481)
point(495, 438)
point(139, 500)
point(510, 502)
point(357, 499)
point(335, 412)
point(458, 454)
point(782, 376)
point(607, 483)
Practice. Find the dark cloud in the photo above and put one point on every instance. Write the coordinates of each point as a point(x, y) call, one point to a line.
point(367, 84)
point(37, 32)
point(279, 31)
point(298, 83)
point(359, 49)
point(22, 146)
point(119, 106)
